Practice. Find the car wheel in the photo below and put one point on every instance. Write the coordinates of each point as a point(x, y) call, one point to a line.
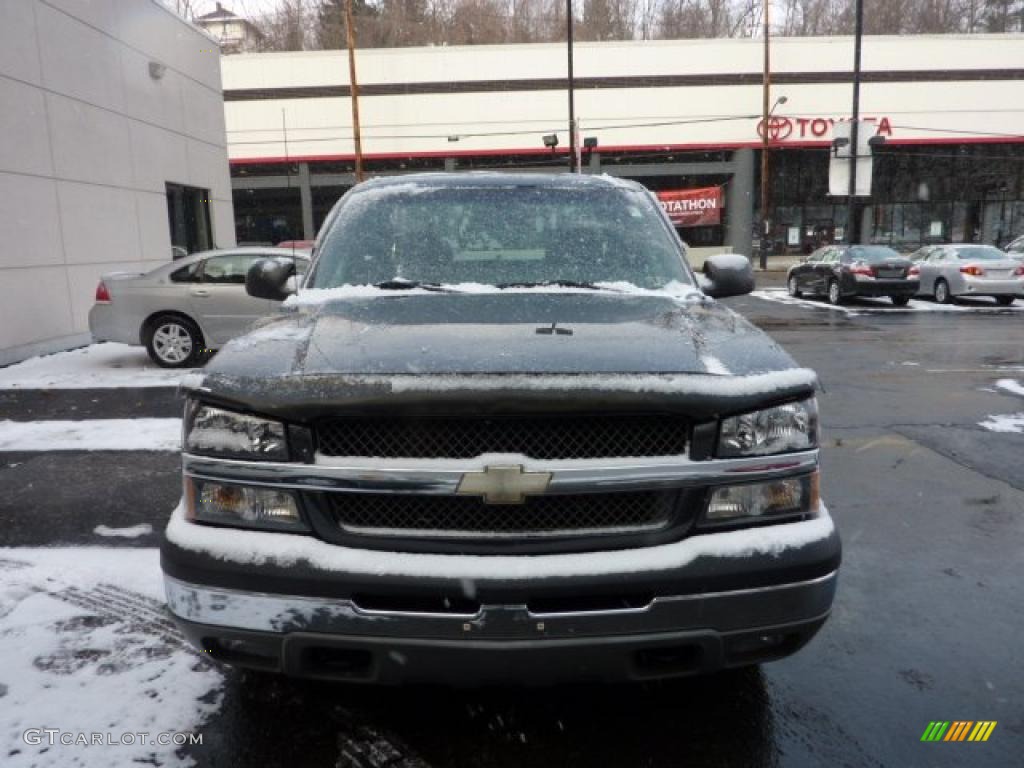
point(942, 292)
point(1005, 301)
point(174, 342)
point(835, 296)
point(794, 289)
point(901, 301)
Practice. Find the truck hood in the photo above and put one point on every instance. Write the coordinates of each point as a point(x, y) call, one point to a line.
point(428, 337)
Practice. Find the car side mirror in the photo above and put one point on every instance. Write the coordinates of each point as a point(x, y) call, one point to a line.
point(271, 278)
point(728, 274)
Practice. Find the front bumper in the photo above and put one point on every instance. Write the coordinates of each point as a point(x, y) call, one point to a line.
point(711, 612)
point(672, 636)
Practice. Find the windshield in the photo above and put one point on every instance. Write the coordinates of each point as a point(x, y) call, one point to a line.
point(498, 236)
point(872, 254)
point(980, 253)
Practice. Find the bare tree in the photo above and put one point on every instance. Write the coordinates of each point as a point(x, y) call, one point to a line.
point(607, 20)
point(391, 23)
point(289, 28)
point(184, 8)
point(1003, 15)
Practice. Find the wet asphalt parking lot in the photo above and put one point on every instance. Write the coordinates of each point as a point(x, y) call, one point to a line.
point(927, 624)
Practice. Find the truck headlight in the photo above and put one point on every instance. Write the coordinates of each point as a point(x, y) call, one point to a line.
point(790, 427)
point(751, 502)
point(217, 432)
point(242, 506)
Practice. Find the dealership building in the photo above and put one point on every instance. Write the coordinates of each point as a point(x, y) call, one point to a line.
point(682, 117)
point(113, 151)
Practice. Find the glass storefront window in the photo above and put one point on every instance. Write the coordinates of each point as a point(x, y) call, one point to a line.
point(267, 216)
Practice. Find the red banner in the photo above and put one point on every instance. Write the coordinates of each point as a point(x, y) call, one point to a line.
point(692, 207)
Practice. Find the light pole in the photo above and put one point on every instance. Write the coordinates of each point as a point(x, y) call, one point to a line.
point(350, 42)
point(766, 188)
point(766, 90)
point(572, 85)
point(852, 228)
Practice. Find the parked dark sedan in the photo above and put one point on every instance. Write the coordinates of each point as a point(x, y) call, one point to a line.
point(839, 272)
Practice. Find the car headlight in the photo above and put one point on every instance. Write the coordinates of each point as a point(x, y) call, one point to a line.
point(217, 432)
point(788, 497)
point(242, 506)
point(790, 427)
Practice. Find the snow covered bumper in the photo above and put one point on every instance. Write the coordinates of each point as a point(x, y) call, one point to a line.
point(707, 602)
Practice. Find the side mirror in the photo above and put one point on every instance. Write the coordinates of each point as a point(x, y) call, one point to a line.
point(728, 274)
point(271, 278)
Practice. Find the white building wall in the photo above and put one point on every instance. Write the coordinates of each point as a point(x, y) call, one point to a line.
point(89, 139)
point(633, 117)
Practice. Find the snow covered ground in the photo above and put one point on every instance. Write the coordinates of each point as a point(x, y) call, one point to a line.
point(98, 366)
point(1012, 386)
point(91, 435)
point(867, 306)
point(1004, 422)
point(85, 653)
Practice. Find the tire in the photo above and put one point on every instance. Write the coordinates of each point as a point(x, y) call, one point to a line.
point(173, 341)
point(942, 294)
point(835, 295)
point(793, 288)
point(1005, 301)
point(900, 301)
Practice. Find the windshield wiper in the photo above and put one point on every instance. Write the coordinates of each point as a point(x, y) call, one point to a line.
point(401, 284)
point(560, 284)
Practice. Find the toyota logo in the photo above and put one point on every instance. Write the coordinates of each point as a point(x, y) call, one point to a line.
point(779, 128)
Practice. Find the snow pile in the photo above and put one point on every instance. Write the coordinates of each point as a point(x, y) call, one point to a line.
point(91, 435)
point(83, 655)
point(1012, 386)
point(283, 549)
point(1007, 422)
point(99, 366)
point(868, 304)
point(131, 532)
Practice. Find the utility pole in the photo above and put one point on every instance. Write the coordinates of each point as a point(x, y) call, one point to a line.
point(573, 166)
point(852, 225)
point(350, 42)
point(766, 92)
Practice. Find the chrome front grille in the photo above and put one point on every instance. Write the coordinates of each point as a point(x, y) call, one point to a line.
point(537, 437)
point(434, 517)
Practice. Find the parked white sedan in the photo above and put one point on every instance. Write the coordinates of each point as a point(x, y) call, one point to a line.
point(183, 308)
point(951, 271)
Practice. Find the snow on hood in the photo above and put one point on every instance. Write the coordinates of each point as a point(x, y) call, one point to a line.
point(666, 384)
point(285, 550)
point(316, 296)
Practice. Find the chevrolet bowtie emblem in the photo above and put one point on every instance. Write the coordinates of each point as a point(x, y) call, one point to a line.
point(504, 484)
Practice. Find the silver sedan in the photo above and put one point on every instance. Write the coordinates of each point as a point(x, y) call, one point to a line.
point(184, 308)
point(951, 271)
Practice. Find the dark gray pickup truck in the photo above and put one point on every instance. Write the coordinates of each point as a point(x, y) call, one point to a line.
point(501, 433)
